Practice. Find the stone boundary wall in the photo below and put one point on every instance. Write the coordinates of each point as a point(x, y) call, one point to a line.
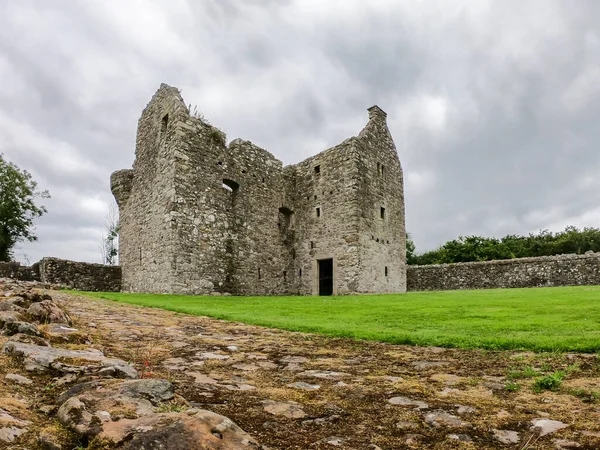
point(561, 270)
point(17, 271)
point(80, 275)
point(70, 274)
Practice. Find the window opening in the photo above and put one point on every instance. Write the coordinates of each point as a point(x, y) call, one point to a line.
point(164, 123)
point(317, 169)
point(382, 212)
point(259, 275)
point(386, 271)
point(318, 212)
point(230, 185)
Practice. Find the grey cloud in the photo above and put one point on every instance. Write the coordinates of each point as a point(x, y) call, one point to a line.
point(493, 105)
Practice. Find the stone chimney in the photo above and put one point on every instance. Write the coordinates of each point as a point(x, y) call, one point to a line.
point(375, 112)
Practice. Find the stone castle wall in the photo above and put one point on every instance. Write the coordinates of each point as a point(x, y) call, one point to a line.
point(199, 216)
point(562, 270)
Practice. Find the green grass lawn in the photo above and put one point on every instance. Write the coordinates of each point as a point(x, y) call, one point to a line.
point(543, 319)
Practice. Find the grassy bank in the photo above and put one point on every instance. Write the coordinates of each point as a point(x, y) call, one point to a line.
point(544, 319)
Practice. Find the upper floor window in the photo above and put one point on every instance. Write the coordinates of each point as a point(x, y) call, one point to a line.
point(382, 212)
point(164, 123)
point(380, 170)
point(317, 169)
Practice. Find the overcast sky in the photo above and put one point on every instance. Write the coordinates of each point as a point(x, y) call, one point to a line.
point(494, 105)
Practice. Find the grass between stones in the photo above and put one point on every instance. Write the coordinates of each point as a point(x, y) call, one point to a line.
point(540, 319)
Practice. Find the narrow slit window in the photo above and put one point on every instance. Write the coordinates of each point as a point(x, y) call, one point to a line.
point(164, 123)
point(386, 271)
point(382, 212)
point(312, 244)
point(300, 273)
point(259, 275)
point(284, 275)
point(317, 169)
point(318, 212)
point(379, 169)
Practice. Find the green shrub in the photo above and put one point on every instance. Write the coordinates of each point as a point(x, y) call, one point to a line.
point(527, 372)
point(510, 386)
point(585, 395)
point(550, 382)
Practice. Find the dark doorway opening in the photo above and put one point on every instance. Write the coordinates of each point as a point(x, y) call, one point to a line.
point(326, 277)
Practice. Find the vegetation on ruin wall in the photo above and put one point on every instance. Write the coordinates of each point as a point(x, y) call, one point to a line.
point(541, 319)
point(478, 248)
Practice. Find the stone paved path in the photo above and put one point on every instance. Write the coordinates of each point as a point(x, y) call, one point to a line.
point(299, 391)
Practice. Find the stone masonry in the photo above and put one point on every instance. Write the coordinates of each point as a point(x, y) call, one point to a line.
point(199, 216)
point(544, 271)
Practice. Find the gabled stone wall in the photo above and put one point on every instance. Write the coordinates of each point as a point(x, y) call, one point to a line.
point(562, 270)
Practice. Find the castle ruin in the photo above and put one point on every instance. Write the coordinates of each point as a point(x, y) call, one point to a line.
point(198, 216)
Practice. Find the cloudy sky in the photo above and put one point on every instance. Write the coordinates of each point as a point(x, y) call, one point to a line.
point(494, 105)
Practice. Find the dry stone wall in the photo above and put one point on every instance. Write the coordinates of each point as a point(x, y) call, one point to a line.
point(563, 270)
point(79, 275)
point(18, 272)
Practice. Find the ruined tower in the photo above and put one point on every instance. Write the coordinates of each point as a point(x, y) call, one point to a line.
point(199, 216)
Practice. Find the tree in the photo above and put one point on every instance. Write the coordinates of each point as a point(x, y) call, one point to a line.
point(110, 237)
point(411, 253)
point(18, 209)
point(544, 243)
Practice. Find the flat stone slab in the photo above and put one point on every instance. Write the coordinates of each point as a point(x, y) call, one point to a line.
point(289, 409)
point(324, 374)
point(294, 359)
point(405, 401)
point(439, 419)
point(9, 434)
point(423, 365)
point(20, 379)
point(201, 378)
point(507, 436)
point(210, 355)
point(304, 386)
point(547, 426)
point(42, 359)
